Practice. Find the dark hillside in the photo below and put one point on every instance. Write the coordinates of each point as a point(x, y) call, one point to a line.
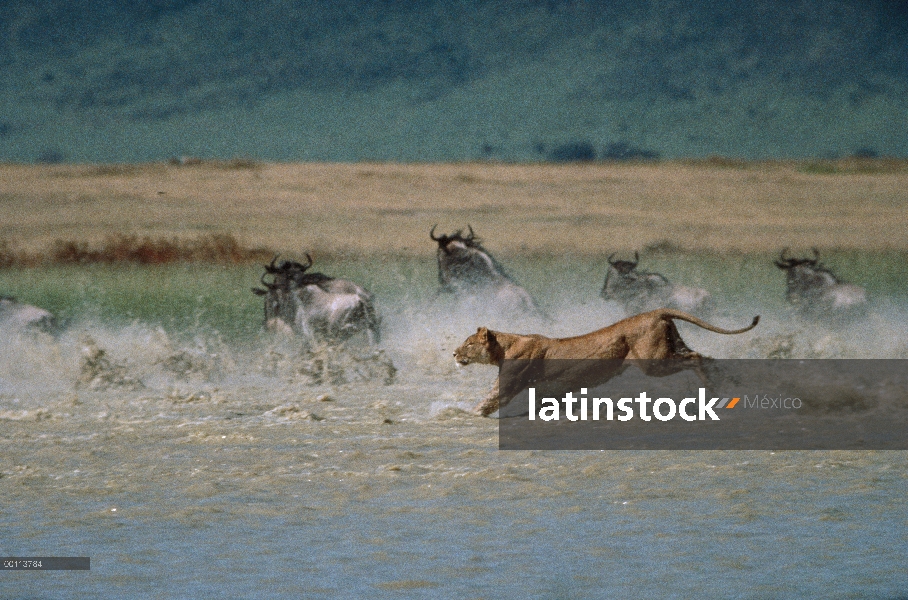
point(468, 79)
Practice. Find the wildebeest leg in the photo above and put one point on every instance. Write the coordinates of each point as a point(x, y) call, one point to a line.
point(442, 290)
point(278, 325)
point(373, 325)
point(302, 323)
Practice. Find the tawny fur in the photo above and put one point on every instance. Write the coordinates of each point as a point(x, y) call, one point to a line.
point(648, 336)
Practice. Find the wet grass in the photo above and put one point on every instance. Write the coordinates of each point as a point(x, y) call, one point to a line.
point(179, 298)
point(187, 298)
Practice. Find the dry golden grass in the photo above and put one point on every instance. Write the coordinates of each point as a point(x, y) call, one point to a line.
point(388, 208)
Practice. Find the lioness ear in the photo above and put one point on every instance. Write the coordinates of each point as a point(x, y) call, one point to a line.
point(482, 332)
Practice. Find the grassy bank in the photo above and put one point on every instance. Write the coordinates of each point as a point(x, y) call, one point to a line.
point(388, 209)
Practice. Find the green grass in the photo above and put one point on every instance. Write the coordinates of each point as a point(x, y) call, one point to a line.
point(184, 298)
point(187, 298)
point(179, 298)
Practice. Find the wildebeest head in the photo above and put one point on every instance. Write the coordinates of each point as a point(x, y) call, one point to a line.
point(805, 272)
point(457, 240)
point(287, 276)
point(277, 291)
point(787, 262)
point(464, 264)
point(623, 282)
point(624, 267)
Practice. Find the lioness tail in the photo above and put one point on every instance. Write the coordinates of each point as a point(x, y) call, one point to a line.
point(667, 313)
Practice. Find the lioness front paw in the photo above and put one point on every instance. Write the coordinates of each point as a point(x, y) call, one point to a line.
point(484, 408)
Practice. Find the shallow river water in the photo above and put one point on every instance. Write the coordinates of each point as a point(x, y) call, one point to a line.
point(201, 467)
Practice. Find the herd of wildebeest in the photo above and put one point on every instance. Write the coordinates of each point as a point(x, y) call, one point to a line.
point(317, 306)
point(324, 311)
point(322, 308)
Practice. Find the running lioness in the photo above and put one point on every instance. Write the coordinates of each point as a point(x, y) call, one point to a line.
point(648, 336)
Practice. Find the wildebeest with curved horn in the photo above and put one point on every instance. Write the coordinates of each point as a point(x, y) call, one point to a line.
point(466, 269)
point(816, 291)
point(315, 305)
point(641, 291)
point(15, 315)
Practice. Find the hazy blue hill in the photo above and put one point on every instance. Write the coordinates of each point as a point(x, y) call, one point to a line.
point(517, 80)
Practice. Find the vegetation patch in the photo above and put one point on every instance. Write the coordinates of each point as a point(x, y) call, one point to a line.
point(131, 249)
point(855, 165)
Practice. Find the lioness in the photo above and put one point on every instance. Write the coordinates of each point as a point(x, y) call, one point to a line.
point(647, 336)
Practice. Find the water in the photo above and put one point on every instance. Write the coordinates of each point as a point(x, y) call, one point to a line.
point(208, 466)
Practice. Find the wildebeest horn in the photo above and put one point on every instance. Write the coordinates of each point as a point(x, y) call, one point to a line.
point(472, 235)
point(816, 254)
point(270, 286)
point(610, 256)
point(636, 258)
point(308, 258)
point(272, 268)
point(784, 262)
point(432, 234)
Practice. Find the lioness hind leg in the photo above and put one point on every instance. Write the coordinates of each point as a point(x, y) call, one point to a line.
point(692, 361)
point(697, 362)
point(676, 344)
point(701, 373)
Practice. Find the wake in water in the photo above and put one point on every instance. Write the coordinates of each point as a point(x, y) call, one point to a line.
point(415, 357)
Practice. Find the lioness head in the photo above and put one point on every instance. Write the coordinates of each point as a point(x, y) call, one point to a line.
point(476, 348)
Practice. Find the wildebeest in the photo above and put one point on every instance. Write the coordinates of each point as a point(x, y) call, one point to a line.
point(315, 305)
point(466, 269)
point(816, 291)
point(641, 291)
point(15, 315)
